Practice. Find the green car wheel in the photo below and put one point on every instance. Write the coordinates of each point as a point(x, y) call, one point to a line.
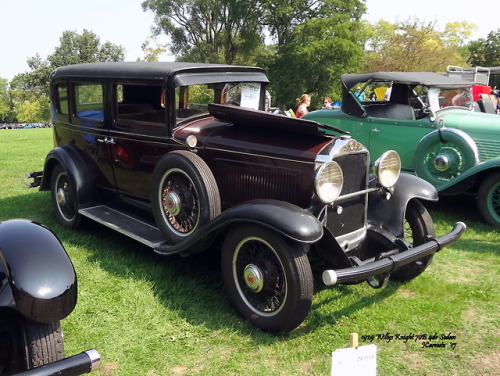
point(444, 154)
point(488, 199)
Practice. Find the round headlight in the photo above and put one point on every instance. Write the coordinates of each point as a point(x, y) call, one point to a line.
point(329, 181)
point(387, 168)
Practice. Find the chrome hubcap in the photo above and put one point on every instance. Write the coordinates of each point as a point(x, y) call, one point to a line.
point(173, 203)
point(61, 197)
point(442, 162)
point(253, 278)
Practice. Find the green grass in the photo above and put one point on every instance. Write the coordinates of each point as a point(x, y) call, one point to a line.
point(152, 315)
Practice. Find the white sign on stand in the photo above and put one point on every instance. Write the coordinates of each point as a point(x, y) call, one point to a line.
point(355, 361)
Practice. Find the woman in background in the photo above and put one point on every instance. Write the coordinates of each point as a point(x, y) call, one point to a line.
point(304, 102)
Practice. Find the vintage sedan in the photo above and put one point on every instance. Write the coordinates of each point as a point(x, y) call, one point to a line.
point(429, 120)
point(183, 158)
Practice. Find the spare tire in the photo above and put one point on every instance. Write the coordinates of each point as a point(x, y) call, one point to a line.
point(184, 195)
point(443, 154)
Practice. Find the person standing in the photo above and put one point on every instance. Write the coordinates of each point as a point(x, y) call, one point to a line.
point(359, 95)
point(304, 103)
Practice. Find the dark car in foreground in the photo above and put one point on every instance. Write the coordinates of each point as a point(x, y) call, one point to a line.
point(38, 288)
point(429, 120)
point(183, 158)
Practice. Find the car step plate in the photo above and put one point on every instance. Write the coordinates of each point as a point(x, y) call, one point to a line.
point(130, 226)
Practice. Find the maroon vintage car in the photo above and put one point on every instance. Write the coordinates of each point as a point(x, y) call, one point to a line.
point(182, 156)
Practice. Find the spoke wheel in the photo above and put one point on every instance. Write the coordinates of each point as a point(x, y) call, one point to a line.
point(418, 225)
point(64, 200)
point(488, 199)
point(269, 280)
point(184, 195)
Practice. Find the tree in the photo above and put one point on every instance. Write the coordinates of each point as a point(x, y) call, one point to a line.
point(210, 31)
point(151, 52)
point(318, 52)
point(5, 108)
point(33, 111)
point(485, 52)
point(414, 45)
point(74, 48)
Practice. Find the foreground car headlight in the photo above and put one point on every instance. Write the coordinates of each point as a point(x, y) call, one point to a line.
point(387, 168)
point(328, 182)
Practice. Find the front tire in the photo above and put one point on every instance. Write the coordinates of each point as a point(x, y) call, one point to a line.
point(25, 344)
point(64, 199)
point(418, 226)
point(488, 199)
point(268, 279)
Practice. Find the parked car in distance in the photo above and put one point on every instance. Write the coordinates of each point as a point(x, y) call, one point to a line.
point(429, 121)
point(38, 288)
point(182, 157)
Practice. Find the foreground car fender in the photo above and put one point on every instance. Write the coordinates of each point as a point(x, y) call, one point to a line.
point(37, 278)
point(77, 170)
point(390, 214)
point(289, 220)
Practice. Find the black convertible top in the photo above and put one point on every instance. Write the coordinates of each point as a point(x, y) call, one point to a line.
point(410, 78)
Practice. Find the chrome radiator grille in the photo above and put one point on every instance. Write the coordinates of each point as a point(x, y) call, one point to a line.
point(352, 215)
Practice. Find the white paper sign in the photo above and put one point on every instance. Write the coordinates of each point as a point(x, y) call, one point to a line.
point(355, 361)
point(250, 95)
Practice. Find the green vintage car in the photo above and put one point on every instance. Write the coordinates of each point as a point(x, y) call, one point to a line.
point(429, 119)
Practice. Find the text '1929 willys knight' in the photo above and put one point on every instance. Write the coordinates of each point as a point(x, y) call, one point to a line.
point(182, 156)
point(38, 288)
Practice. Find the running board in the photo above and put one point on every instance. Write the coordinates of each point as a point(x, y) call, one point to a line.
point(125, 224)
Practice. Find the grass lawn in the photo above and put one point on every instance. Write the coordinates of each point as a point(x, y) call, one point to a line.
point(152, 315)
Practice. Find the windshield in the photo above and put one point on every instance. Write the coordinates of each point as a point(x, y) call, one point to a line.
point(193, 100)
point(437, 98)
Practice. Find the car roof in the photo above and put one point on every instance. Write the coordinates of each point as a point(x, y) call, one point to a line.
point(162, 71)
point(411, 78)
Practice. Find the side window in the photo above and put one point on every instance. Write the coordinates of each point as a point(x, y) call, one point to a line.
point(193, 100)
point(60, 103)
point(89, 101)
point(139, 107)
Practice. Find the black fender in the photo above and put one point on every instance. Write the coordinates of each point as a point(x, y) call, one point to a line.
point(78, 172)
point(37, 278)
point(390, 214)
point(291, 221)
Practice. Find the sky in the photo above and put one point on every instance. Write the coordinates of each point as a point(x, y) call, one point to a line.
point(30, 27)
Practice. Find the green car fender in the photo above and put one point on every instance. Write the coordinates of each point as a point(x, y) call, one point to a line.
point(481, 170)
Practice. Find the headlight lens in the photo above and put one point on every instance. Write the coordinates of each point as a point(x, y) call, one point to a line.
point(329, 181)
point(387, 168)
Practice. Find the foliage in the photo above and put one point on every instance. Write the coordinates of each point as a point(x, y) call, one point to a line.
point(151, 50)
point(414, 45)
point(153, 315)
point(74, 48)
point(5, 108)
point(319, 51)
point(486, 52)
point(220, 31)
point(34, 110)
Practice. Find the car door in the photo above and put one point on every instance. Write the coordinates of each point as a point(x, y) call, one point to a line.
point(399, 135)
point(138, 134)
point(89, 132)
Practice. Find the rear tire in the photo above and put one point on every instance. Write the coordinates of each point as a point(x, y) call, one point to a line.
point(64, 199)
point(184, 195)
point(418, 225)
point(25, 344)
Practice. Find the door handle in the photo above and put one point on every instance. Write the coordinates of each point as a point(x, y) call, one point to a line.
point(375, 130)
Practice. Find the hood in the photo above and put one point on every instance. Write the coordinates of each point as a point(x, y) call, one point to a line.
point(474, 123)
